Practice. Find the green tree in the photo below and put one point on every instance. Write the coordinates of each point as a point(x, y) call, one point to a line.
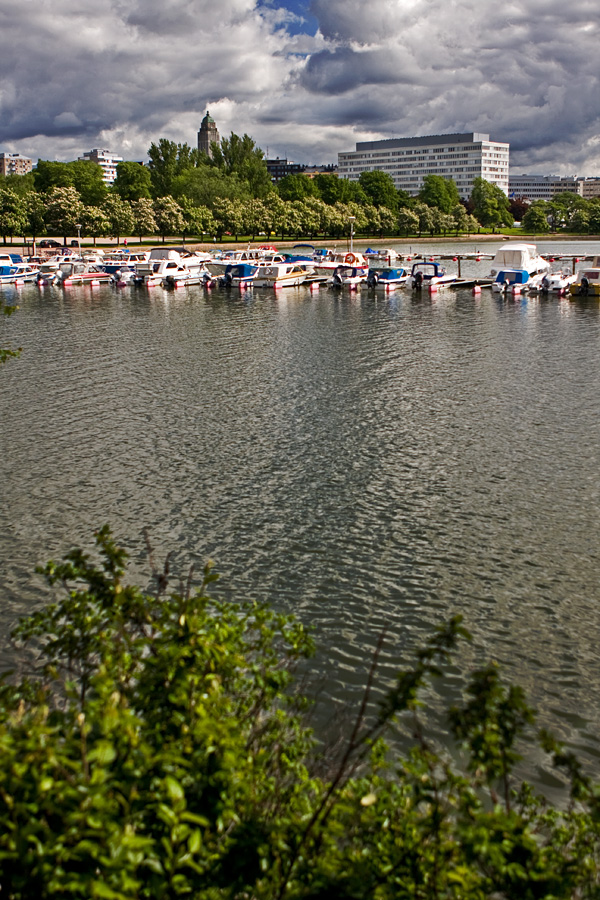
point(439, 192)
point(240, 156)
point(490, 204)
point(64, 210)
point(594, 214)
point(119, 216)
point(143, 216)
point(94, 222)
point(330, 188)
point(167, 161)
point(424, 215)
point(168, 216)
point(206, 184)
point(255, 218)
point(276, 214)
point(48, 174)
point(133, 181)
point(535, 219)
point(380, 189)
point(13, 213)
point(296, 187)
point(35, 209)
point(229, 216)
point(84, 175)
point(197, 220)
point(408, 221)
point(87, 178)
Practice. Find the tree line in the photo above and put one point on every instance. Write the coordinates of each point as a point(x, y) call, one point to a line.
point(184, 192)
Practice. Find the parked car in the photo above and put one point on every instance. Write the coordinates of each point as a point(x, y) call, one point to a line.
point(48, 244)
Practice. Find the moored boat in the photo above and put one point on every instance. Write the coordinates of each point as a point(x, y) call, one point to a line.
point(79, 272)
point(241, 274)
point(387, 278)
point(587, 282)
point(430, 275)
point(169, 263)
point(282, 274)
point(327, 265)
point(513, 255)
point(347, 276)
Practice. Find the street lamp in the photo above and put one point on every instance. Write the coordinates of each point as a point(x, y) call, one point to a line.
point(78, 227)
point(352, 220)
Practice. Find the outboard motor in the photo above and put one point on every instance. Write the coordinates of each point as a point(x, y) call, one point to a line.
point(418, 281)
point(228, 279)
point(584, 287)
point(372, 278)
point(337, 279)
point(545, 285)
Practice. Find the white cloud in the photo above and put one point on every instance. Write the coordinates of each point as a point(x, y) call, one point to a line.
point(123, 73)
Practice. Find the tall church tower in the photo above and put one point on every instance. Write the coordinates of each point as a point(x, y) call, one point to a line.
point(208, 135)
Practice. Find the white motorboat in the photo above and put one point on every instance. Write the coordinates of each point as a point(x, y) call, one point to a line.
point(383, 257)
point(514, 255)
point(252, 256)
point(169, 265)
point(557, 282)
point(587, 281)
point(281, 274)
point(80, 272)
point(327, 264)
point(348, 276)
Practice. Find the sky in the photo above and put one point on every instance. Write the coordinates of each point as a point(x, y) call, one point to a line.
point(305, 79)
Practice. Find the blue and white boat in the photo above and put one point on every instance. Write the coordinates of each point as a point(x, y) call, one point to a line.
point(240, 274)
point(13, 268)
point(516, 281)
point(387, 278)
point(430, 275)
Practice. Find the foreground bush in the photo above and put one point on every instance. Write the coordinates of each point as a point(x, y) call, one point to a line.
point(161, 750)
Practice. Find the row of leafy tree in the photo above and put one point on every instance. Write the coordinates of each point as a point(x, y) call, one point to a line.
point(566, 212)
point(182, 191)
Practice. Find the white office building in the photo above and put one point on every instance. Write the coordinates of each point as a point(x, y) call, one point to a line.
point(462, 157)
point(541, 187)
point(106, 160)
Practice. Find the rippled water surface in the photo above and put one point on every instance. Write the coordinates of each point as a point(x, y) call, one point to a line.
point(361, 460)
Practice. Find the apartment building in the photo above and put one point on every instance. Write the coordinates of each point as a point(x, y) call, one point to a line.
point(462, 157)
point(106, 160)
point(15, 164)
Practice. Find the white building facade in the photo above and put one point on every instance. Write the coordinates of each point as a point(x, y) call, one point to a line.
point(106, 160)
point(542, 187)
point(461, 157)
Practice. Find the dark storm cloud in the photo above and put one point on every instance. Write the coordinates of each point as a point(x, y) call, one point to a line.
point(122, 73)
